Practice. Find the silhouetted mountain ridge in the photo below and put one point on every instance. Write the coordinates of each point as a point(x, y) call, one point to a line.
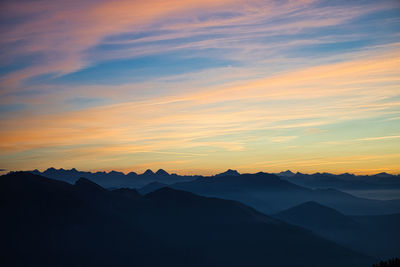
point(343, 181)
point(115, 179)
point(270, 194)
point(86, 225)
point(229, 172)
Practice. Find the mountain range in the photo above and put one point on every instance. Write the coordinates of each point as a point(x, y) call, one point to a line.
point(115, 179)
point(54, 223)
point(344, 181)
point(270, 194)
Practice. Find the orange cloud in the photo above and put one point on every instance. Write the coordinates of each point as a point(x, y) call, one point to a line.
point(61, 32)
point(182, 120)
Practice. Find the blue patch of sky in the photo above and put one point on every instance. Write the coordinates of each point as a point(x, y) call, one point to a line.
point(18, 62)
point(349, 4)
point(351, 35)
point(358, 32)
point(122, 43)
point(27, 93)
point(40, 79)
point(379, 22)
point(141, 69)
point(9, 108)
point(329, 48)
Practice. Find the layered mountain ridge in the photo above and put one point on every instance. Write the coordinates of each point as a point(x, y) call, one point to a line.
point(83, 224)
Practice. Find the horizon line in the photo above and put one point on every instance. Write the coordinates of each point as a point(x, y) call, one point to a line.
point(108, 171)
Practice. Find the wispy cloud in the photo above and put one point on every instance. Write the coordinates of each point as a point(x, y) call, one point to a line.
point(379, 138)
point(198, 83)
point(232, 108)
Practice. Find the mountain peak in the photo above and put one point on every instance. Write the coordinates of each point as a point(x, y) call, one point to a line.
point(116, 173)
point(287, 173)
point(229, 172)
point(162, 172)
point(383, 175)
point(148, 172)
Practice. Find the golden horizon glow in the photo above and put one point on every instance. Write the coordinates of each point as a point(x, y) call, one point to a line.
point(198, 87)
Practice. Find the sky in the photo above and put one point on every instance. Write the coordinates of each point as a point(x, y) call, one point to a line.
point(197, 87)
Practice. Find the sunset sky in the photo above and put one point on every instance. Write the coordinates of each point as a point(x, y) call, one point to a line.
point(200, 86)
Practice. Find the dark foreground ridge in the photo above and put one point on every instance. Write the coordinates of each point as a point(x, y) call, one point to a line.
point(54, 223)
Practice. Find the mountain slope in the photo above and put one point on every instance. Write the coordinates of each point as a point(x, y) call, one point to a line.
point(53, 223)
point(373, 235)
point(151, 187)
point(270, 194)
point(313, 215)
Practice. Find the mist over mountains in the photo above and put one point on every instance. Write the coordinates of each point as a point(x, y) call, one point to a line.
point(344, 181)
point(268, 193)
point(375, 235)
point(229, 219)
point(54, 223)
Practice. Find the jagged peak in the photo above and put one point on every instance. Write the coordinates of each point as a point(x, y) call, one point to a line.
point(162, 172)
point(229, 172)
point(148, 172)
point(116, 172)
point(287, 173)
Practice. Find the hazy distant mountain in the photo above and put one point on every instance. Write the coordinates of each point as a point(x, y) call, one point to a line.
point(316, 216)
point(344, 181)
point(53, 223)
point(115, 179)
point(318, 180)
point(148, 172)
point(287, 173)
point(373, 235)
point(270, 194)
point(151, 187)
point(228, 173)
